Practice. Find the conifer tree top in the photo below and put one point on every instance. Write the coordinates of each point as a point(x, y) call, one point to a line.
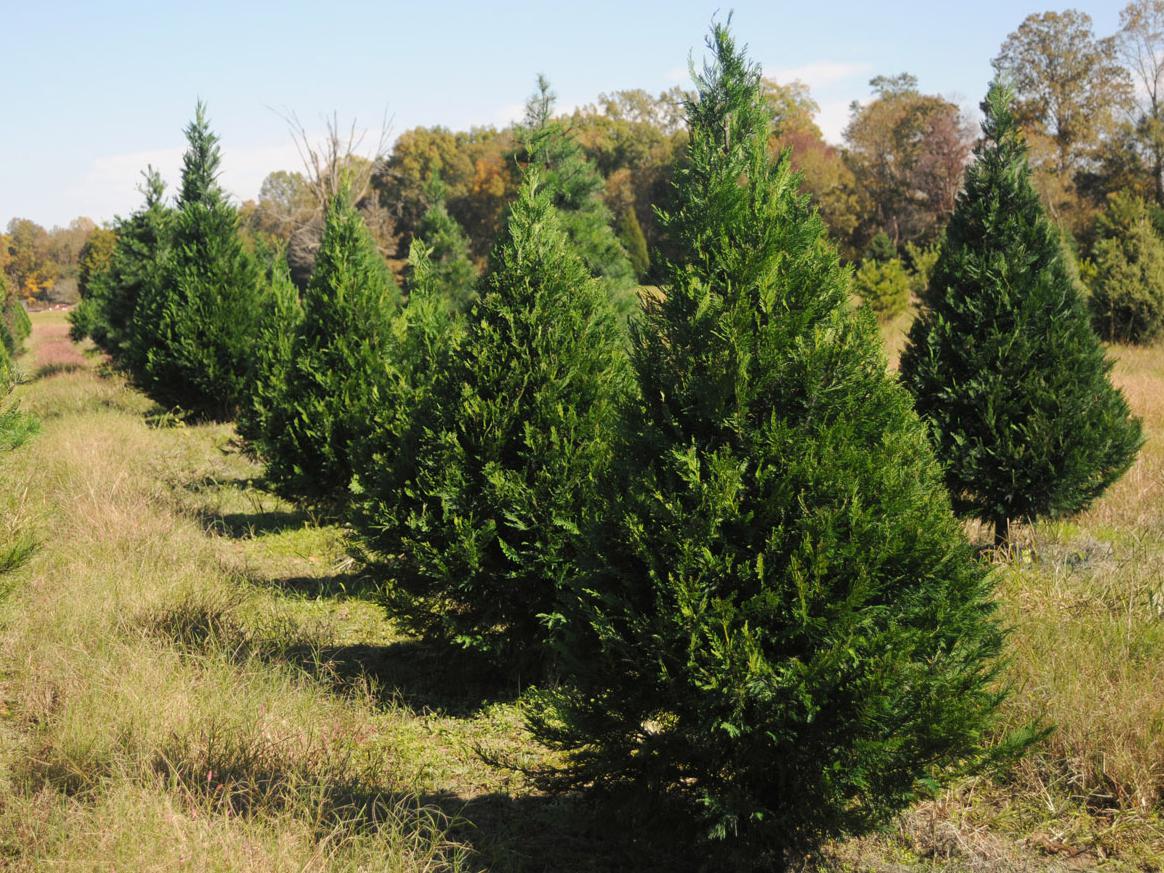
point(200, 164)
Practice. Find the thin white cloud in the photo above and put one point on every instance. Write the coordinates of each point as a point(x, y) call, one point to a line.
point(820, 74)
point(833, 118)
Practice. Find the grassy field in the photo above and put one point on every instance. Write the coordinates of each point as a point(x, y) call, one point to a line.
point(194, 676)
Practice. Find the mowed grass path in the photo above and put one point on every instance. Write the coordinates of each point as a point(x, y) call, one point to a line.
point(195, 676)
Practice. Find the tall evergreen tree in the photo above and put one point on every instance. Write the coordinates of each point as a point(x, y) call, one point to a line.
point(783, 629)
point(576, 187)
point(203, 323)
point(342, 357)
point(1127, 300)
point(525, 425)
point(1002, 359)
point(450, 271)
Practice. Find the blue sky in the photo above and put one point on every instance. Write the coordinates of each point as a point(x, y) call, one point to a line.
point(94, 91)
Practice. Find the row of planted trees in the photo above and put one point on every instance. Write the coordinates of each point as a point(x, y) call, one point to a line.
point(717, 533)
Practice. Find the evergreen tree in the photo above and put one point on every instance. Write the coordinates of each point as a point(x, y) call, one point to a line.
point(525, 425)
point(634, 241)
point(15, 325)
point(341, 361)
point(203, 322)
point(883, 286)
point(280, 318)
point(1002, 359)
point(428, 334)
point(576, 187)
point(782, 630)
point(451, 274)
point(112, 292)
point(1127, 300)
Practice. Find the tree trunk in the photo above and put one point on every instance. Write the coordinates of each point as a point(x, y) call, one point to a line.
point(1001, 532)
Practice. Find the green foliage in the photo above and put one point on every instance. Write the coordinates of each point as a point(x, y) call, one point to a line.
point(341, 360)
point(782, 630)
point(576, 187)
point(881, 248)
point(133, 268)
point(280, 317)
point(428, 334)
point(1002, 360)
point(524, 428)
point(1127, 299)
point(15, 325)
point(200, 326)
point(451, 275)
point(921, 262)
point(883, 285)
point(630, 232)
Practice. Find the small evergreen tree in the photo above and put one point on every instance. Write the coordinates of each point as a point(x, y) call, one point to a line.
point(883, 286)
point(205, 317)
point(783, 630)
point(15, 325)
point(634, 241)
point(280, 318)
point(451, 274)
point(113, 288)
point(525, 426)
point(576, 187)
point(881, 248)
point(341, 360)
point(1002, 359)
point(921, 264)
point(1127, 299)
point(428, 334)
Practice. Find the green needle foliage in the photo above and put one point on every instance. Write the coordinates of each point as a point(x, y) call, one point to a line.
point(428, 334)
point(451, 274)
point(1002, 359)
point(634, 241)
point(576, 187)
point(341, 360)
point(280, 318)
point(783, 631)
point(883, 286)
point(527, 412)
point(201, 329)
point(15, 325)
point(133, 272)
point(1127, 300)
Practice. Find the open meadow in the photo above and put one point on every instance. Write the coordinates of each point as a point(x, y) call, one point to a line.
point(195, 677)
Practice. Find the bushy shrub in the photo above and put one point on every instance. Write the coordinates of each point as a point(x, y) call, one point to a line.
point(883, 285)
point(782, 633)
point(506, 478)
point(1127, 292)
point(341, 360)
point(1002, 359)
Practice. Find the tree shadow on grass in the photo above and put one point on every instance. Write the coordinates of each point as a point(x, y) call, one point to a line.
point(539, 833)
point(248, 525)
point(422, 676)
